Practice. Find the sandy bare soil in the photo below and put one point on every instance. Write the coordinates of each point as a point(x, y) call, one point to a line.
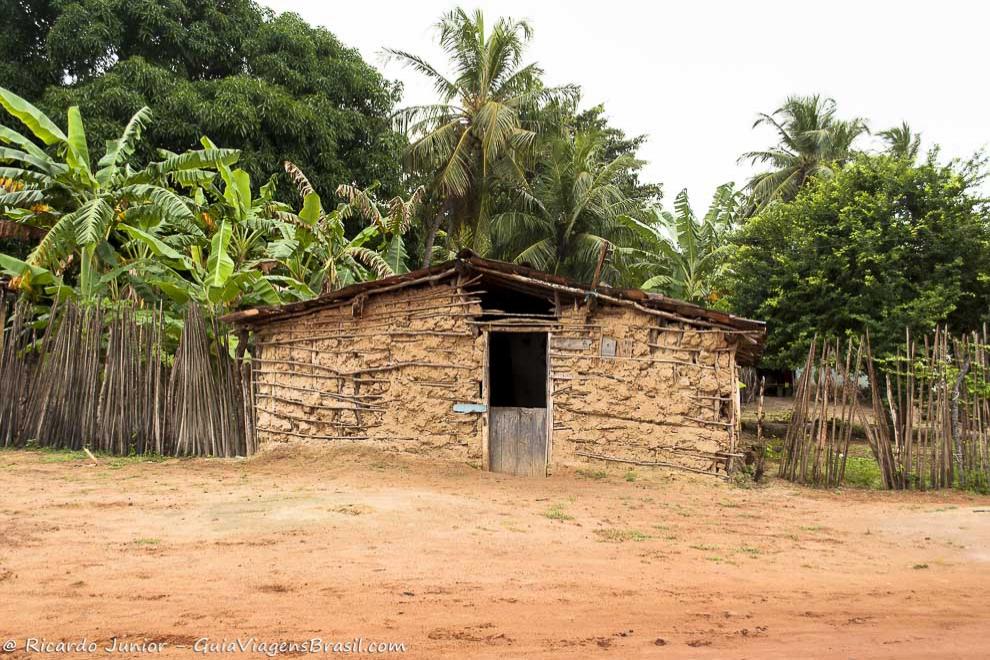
point(455, 562)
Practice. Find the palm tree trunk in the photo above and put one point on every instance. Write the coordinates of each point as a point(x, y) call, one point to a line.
point(431, 235)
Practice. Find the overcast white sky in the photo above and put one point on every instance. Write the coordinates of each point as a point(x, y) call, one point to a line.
point(692, 75)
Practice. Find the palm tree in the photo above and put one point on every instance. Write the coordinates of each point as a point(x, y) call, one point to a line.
point(680, 255)
point(573, 206)
point(481, 123)
point(902, 142)
point(811, 140)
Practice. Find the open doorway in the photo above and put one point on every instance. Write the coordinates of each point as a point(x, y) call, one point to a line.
point(517, 417)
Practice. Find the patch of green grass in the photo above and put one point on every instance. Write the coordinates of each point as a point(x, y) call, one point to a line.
point(614, 535)
point(919, 566)
point(147, 541)
point(52, 455)
point(587, 473)
point(117, 462)
point(863, 472)
point(630, 476)
point(750, 550)
point(63, 456)
point(704, 547)
point(556, 512)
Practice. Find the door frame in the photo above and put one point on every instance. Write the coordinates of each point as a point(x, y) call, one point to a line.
point(486, 389)
point(487, 398)
point(549, 404)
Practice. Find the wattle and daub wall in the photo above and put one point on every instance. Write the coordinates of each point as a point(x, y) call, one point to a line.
point(388, 369)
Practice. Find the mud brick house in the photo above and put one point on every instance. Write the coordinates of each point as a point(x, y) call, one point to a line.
point(501, 365)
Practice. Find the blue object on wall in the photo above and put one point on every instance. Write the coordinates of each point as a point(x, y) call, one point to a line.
point(470, 408)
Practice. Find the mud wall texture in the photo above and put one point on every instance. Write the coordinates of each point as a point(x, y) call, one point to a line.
point(384, 370)
point(667, 396)
point(387, 370)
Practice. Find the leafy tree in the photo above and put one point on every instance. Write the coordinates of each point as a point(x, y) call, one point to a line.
point(479, 126)
point(880, 246)
point(902, 142)
point(272, 84)
point(572, 207)
point(811, 142)
point(185, 227)
point(681, 255)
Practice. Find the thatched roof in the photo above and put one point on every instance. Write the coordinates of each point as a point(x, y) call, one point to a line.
point(526, 280)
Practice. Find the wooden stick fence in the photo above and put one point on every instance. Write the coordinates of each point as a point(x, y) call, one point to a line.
point(104, 380)
point(939, 403)
point(826, 403)
point(929, 413)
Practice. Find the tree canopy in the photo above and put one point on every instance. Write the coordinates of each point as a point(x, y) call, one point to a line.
point(207, 114)
point(680, 254)
point(275, 86)
point(879, 246)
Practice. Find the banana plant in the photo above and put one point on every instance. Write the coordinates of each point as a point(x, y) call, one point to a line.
point(82, 206)
point(393, 219)
point(314, 249)
point(206, 274)
point(681, 255)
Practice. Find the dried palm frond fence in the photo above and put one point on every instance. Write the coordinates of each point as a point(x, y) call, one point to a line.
point(103, 379)
point(925, 413)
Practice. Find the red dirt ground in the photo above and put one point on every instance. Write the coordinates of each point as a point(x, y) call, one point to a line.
point(300, 543)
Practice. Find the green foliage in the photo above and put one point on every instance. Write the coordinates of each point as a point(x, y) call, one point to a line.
point(680, 255)
point(902, 142)
point(880, 246)
point(615, 535)
point(80, 211)
point(863, 472)
point(556, 512)
point(482, 127)
point(811, 142)
point(392, 220)
point(272, 84)
point(616, 144)
point(187, 227)
point(571, 208)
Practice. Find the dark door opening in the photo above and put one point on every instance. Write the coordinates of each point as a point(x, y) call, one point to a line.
point(518, 364)
point(517, 416)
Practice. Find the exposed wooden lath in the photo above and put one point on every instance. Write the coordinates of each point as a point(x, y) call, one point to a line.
point(750, 334)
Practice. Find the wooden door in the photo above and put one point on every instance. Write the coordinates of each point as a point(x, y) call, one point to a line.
point(517, 441)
